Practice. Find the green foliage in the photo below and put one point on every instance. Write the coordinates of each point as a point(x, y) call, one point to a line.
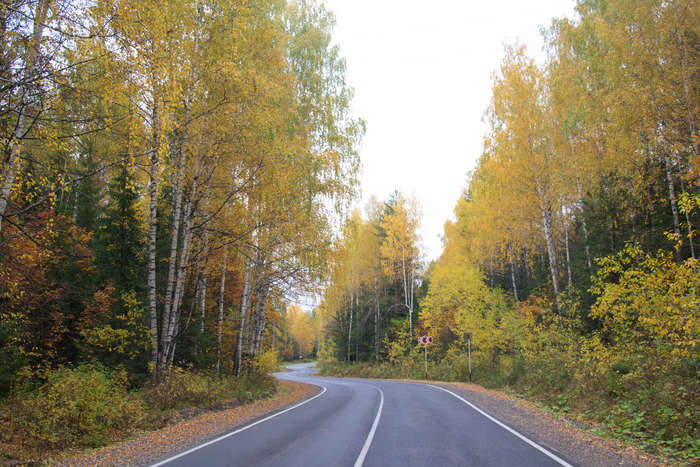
point(90, 405)
point(84, 406)
point(123, 340)
point(120, 240)
point(648, 302)
point(183, 388)
point(10, 357)
point(267, 362)
point(637, 375)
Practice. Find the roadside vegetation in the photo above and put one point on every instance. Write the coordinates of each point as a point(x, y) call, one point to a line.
point(89, 406)
point(572, 261)
point(169, 176)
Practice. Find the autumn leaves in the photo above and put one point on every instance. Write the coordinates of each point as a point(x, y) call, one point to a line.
point(224, 131)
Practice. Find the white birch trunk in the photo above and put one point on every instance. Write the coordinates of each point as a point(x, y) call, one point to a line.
point(9, 172)
point(405, 290)
point(179, 292)
point(689, 102)
point(568, 255)
point(220, 315)
point(152, 234)
point(690, 226)
point(585, 226)
point(172, 261)
point(259, 320)
point(245, 300)
point(376, 316)
point(203, 271)
point(546, 210)
point(512, 272)
point(352, 296)
point(672, 198)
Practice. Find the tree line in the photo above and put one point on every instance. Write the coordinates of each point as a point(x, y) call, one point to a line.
point(170, 171)
point(573, 258)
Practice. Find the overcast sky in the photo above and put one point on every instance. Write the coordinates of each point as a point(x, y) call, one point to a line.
point(422, 77)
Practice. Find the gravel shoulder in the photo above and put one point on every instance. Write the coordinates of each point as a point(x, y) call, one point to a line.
point(557, 433)
point(182, 435)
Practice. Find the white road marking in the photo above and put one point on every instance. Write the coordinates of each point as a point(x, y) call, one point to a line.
point(557, 459)
point(368, 442)
point(216, 440)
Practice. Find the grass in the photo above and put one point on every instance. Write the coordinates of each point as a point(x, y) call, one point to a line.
point(90, 406)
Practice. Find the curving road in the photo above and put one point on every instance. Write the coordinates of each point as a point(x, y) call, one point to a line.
point(354, 422)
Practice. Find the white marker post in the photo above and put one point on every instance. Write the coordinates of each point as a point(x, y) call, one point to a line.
point(425, 340)
point(468, 337)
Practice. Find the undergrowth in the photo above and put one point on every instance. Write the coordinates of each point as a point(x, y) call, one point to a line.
point(90, 406)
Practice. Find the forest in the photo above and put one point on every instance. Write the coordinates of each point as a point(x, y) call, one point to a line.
point(572, 261)
point(170, 176)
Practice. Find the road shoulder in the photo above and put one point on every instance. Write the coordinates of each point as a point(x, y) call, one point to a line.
point(155, 445)
point(559, 434)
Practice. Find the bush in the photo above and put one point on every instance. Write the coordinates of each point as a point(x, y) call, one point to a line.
point(81, 406)
point(182, 388)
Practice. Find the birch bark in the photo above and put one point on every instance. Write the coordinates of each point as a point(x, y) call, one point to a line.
point(512, 272)
point(259, 328)
point(172, 259)
point(245, 300)
point(546, 210)
point(152, 234)
point(568, 255)
point(585, 226)
point(376, 316)
point(13, 160)
point(673, 200)
point(220, 315)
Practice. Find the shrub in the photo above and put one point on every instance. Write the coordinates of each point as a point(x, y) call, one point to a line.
point(182, 388)
point(80, 406)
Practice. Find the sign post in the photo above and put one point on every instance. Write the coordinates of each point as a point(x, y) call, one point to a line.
point(425, 340)
point(468, 337)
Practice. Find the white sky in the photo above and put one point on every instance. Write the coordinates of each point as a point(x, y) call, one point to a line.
point(422, 76)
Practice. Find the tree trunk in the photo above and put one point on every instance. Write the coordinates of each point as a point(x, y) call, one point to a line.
point(568, 256)
point(152, 234)
point(528, 273)
point(512, 272)
point(546, 210)
point(689, 224)
point(376, 316)
point(203, 271)
point(30, 60)
point(551, 253)
point(352, 295)
point(585, 227)
point(689, 102)
point(166, 319)
point(220, 315)
point(245, 301)
point(405, 290)
point(180, 278)
point(259, 325)
point(672, 197)
point(410, 310)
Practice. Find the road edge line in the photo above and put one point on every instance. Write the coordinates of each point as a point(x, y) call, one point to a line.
point(549, 454)
point(216, 440)
point(368, 442)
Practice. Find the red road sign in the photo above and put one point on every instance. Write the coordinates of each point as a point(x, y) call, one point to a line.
point(425, 340)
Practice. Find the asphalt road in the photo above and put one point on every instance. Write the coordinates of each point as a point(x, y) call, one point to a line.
point(372, 423)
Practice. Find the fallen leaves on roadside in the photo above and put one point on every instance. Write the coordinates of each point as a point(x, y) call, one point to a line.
point(151, 446)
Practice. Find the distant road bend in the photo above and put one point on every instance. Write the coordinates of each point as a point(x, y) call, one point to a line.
point(354, 422)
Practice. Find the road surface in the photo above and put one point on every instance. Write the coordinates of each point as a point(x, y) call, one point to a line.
point(354, 422)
